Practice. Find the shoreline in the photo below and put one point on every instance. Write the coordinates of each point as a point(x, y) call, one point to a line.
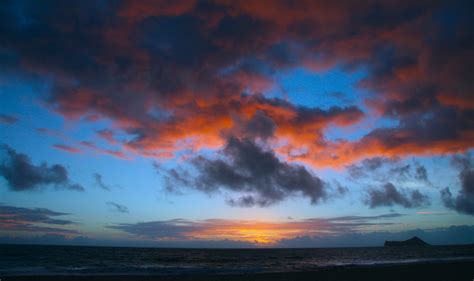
point(455, 270)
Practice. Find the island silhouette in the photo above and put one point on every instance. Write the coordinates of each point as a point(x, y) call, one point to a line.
point(414, 241)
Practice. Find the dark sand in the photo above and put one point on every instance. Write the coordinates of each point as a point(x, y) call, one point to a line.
point(432, 271)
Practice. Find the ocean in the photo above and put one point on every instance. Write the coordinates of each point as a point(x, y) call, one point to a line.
point(79, 260)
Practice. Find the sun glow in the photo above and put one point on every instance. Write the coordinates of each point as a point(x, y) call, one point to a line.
point(258, 232)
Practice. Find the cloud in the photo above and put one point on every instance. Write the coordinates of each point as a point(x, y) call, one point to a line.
point(250, 231)
point(116, 153)
point(33, 220)
point(421, 173)
point(380, 170)
point(130, 63)
point(22, 175)
point(368, 166)
point(389, 195)
point(118, 207)
point(67, 148)
point(464, 201)
point(442, 131)
point(107, 135)
point(258, 126)
point(7, 119)
point(249, 169)
point(452, 235)
point(100, 183)
point(401, 171)
point(341, 231)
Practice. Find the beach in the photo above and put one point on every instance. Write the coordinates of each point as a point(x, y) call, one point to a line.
point(456, 270)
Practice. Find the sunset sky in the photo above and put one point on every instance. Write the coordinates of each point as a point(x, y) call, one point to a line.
point(236, 123)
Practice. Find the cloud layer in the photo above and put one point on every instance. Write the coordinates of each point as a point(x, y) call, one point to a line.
point(130, 62)
point(33, 220)
point(251, 231)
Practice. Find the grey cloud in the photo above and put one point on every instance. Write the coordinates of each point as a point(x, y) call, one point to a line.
point(368, 166)
point(362, 218)
point(389, 195)
point(464, 201)
point(247, 201)
point(258, 174)
point(173, 178)
point(27, 219)
point(421, 173)
point(260, 125)
point(341, 190)
point(381, 171)
point(380, 168)
point(462, 161)
point(22, 175)
point(100, 183)
point(401, 171)
point(118, 207)
point(175, 229)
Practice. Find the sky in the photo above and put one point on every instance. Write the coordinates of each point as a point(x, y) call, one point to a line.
point(236, 123)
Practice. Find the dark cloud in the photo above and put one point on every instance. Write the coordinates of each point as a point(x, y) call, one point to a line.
point(389, 195)
point(100, 183)
point(22, 175)
point(174, 178)
point(401, 171)
point(258, 126)
point(368, 218)
point(464, 201)
point(340, 190)
point(381, 169)
point(33, 220)
point(249, 169)
point(131, 63)
point(368, 166)
point(440, 128)
point(118, 207)
point(463, 162)
point(246, 201)
point(421, 173)
point(174, 229)
point(8, 119)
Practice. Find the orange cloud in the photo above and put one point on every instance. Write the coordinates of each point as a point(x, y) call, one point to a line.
point(171, 75)
point(67, 148)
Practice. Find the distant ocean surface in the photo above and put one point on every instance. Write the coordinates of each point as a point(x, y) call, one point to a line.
point(78, 260)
